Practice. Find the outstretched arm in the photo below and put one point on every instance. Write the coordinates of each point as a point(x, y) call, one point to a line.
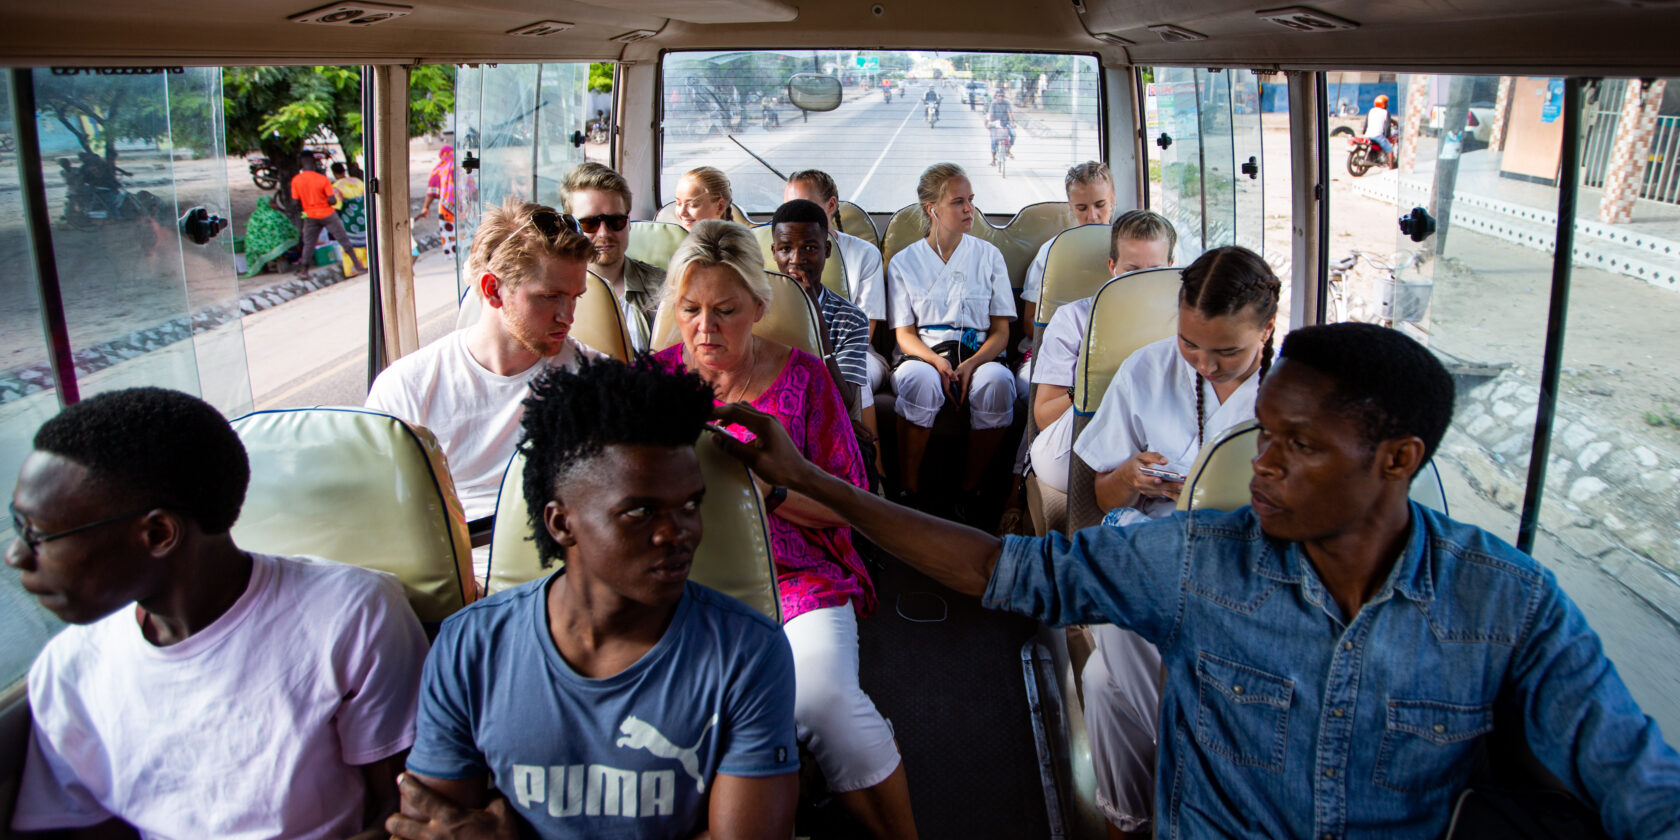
point(956, 555)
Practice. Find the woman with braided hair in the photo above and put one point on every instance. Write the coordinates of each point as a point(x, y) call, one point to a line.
point(1167, 400)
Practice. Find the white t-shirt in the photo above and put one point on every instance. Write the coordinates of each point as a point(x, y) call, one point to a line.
point(1150, 406)
point(944, 298)
point(1376, 122)
point(1035, 272)
point(1063, 336)
point(863, 274)
point(474, 413)
point(253, 727)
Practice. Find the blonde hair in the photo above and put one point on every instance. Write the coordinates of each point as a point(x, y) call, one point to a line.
point(931, 188)
point(715, 242)
point(713, 182)
point(508, 245)
point(1140, 226)
point(819, 180)
point(1089, 172)
point(594, 176)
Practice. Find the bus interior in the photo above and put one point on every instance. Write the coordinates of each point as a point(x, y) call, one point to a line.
point(1529, 234)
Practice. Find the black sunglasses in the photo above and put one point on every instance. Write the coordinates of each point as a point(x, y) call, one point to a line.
point(614, 221)
point(34, 539)
point(549, 222)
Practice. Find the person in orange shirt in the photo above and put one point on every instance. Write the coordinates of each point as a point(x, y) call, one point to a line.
point(311, 188)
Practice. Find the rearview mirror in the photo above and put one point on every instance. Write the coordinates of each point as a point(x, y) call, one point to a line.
point(814, 91)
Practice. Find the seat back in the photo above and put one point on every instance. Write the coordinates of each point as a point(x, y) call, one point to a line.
point(1018, 240)
point(1219, 478)
point(855, 221)
point(791, 319)
point(362, 488)
point(734, 552)
point(598, 320)
point(668, 213)
point(654, 242)
point(834, 271)
point(1076, 268)
point(1130, 311)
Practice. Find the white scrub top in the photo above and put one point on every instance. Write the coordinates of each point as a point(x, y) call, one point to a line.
point(1150, 406)
point(1035, 272)
point(1059, 353)
point(863, 275)
point(941, 299)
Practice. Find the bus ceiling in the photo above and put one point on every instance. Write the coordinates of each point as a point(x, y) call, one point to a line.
point(1549, 36)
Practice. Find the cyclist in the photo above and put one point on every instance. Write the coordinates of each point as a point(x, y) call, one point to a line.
point(1001, 113)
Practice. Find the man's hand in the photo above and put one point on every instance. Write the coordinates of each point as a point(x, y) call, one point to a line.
point(426, 815)
point(772, 455)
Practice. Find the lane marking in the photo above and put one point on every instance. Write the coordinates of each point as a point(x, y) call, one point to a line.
point(883, 156)
point(279, 400)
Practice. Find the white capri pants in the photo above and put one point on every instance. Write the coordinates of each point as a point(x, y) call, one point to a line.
point(832, 716)
point(877, 371)
point(1052, 451)
point(921, 393)
point(1122, 682)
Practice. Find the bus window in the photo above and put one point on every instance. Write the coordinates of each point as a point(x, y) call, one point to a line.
point(730, 110)
point(1608, 526)
point(1219, 164)
point(28, 397)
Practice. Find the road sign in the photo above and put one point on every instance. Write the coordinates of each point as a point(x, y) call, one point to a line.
point(869, 63)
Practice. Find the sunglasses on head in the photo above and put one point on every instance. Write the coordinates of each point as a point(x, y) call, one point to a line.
point(614, 221)
point(550, 222)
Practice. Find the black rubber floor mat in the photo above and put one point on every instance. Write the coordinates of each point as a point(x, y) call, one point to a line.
point(947, 674)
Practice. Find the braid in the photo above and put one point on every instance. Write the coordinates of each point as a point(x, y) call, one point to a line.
point(1265, 360)
point(1201, 431)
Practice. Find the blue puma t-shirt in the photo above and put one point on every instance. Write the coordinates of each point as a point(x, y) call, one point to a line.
point(631, 755)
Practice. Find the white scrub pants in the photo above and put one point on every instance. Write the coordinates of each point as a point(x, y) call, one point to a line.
point(832, 716)
point(1052, 451)
point(1122, 682)
point(921, 393)
point(877, 371)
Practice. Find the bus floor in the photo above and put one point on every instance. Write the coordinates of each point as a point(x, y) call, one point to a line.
point(947, 676)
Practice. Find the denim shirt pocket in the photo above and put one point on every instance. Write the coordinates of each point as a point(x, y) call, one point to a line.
point(1242, 712)
point(1426, 743)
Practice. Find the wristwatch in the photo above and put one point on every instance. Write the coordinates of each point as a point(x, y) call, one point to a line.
point(774, 498)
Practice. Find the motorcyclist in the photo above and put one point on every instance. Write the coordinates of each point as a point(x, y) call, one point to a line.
point(932, 97)
point(1378, 124)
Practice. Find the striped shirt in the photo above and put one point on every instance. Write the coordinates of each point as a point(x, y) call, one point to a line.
point(848, 334)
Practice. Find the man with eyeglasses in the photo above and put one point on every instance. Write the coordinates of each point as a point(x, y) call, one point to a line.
point(600, 199)
point(201, 691)
point(529, 265)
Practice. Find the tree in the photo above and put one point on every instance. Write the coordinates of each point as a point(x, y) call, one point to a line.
point(98, 109)
point(600, 77)
point(279, 110)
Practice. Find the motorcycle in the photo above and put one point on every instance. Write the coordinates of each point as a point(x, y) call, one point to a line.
point(1364, 153)
point(932, 113)
point(886, 93)
point(263, 173)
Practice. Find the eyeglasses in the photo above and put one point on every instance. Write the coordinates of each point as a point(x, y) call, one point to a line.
point(549, 222)
point(614, 221)
point(34, 540)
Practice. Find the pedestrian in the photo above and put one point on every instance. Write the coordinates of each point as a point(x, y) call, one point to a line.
point(311, 188)
point(352, 212)
point(440, 187)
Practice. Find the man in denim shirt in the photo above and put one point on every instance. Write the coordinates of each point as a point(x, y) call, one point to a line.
point(1334, 652)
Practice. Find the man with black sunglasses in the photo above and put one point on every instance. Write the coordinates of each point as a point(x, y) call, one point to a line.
point(600, 199)
point(528, 266)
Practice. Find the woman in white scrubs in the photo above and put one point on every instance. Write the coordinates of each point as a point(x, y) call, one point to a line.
point(1165, 402)
point(951, 308)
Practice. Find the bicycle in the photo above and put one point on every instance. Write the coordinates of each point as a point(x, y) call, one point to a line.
point(1000, 146)
point(1342, 304)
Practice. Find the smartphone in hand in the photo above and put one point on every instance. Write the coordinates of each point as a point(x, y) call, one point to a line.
point(1163, 474)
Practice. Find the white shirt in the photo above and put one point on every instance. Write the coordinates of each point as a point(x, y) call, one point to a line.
point(1376, 120)
point(253, 727)
point(1035, 272)
point(473, 412)
point(863, 275)
point(1150, 406)
point(1063, 336)
point(944, 298)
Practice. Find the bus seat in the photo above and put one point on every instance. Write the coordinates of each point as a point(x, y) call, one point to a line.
point(654, 242)
point(598, 321)
point(668, 213)
point(1018, 240)
point(358, 487)
point(1219, 478)
point(834, 271)
point(1130, 311)
point(853, 220)
point(734, 552)
point(790, 318)
point(1076, 269)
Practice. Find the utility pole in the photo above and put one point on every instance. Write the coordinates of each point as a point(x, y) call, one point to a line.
point(1448, 151)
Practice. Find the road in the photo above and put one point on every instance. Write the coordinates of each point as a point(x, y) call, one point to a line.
point(877, 150)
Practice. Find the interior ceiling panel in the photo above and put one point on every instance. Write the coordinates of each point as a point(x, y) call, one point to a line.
point(706, 11)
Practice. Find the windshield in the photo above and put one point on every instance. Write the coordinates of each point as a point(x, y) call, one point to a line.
point(723, 108)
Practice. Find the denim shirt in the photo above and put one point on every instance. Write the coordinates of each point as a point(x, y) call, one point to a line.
point(1281, 718)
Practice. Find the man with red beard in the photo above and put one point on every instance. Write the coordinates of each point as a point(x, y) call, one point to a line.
point(469, 387)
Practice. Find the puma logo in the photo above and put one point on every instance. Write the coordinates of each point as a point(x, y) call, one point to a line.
point(640, 735)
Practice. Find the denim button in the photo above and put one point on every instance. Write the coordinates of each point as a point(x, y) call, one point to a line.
point(1439, 728)
point(1338, 712)
point(1236, 689)
point(1347, 645)
point(1330, 774)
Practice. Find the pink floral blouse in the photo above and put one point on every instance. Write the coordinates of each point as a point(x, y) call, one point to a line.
point(815, 567)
